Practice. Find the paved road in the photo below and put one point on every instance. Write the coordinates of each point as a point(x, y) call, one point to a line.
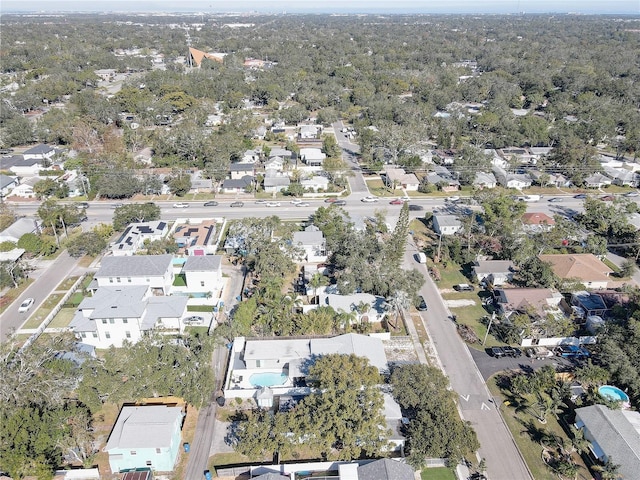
point(489, 366)
point(497, 446)
point(46, 280)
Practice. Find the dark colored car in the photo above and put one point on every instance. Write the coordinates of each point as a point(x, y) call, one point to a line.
point(237, 204)
point(580, 195)
point(512, 352)
point(83, 204)
point(416, 208)
point(211, 204)
point(422, 304)
point(497, 352)
point(555, 199)
point(463, 287)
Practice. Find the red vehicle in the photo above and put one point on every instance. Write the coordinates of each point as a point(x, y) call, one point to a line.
point(397, 201)
point(331, 200)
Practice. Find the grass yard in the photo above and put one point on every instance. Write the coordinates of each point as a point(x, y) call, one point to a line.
point(38, 317)
point(67, 284)
point(437, 473)
point(63, 318)
point(530, 449)
point(377, 188)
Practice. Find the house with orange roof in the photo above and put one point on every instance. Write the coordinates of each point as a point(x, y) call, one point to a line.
point(534, 222)
point(197, 238)
point(584, 267)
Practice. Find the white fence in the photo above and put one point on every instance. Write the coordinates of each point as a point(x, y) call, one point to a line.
point(555, 341)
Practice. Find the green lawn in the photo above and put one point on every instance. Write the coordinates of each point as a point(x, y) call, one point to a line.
point(38, 317)
point(67, 283)
point(438, 473)
point(63, 318)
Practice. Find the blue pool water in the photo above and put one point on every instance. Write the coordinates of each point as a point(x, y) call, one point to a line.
point(268, 379)
point(613, 393)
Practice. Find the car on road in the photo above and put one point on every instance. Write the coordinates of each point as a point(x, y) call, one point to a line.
point(416, 208)
point(181, 205)
point(237, 204)
point(496, 352)
point(211, 204)
point(555, 199)
point(570, 351)
point(405, 199)
point(422, 304)
point(340, 203)
point(397, 201)
point(303, 204)
point(26, 305)
point(272, 204)
point(512, 352)
point(454, 199)
point(369, 199)
point(607, 198)
point(116, 205)
point(261, 202)
point(632, 194)
point(463, 287)
point(331, 200)
point(295, 201)
point(581, 196)
point(193, 320)
point(83, 204)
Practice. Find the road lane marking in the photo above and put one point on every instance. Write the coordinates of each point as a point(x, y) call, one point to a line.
point(484, 406)
point(465, 397)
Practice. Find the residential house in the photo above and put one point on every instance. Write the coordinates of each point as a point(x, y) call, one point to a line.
point(496, 160)
point(445, 157)
point(122, 313)
point(446, 224)
point(385, 469)
point(199, 184)
point(135, 236)
point(7, 184)
point(517, 155)
point(622, 176)
point(275, 164)
point(398, 178)
point(494, 272)
point(539, 301)
point(203, 276)
point(251, 157)
point(584, 267)
point(154, 271)
point(597, 180)
point(145, 436)
point(540, 152)
point(280, 152)
point(311, 243)
point(443, 179)
point(315, 183)
point(230, 185)
point(21, 166)
point(485, 180)
point(614, 436)
point(260, 132)
point(308, 132)
point(549, 179)
point(512, 180)
point(18, 228)
point(25, 189)
point(197, 238)
point(592, 303)
point(350, 304)
point(312, 157)
point(39, 152)
point(533, 222)
point(240, 170)
point(275, 182)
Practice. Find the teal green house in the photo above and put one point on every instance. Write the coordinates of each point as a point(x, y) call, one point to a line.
point(145, 436)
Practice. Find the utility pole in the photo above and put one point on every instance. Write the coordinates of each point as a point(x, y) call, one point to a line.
point(493, 316)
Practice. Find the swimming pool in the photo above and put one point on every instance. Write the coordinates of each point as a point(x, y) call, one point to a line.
point(613, 393)
point(267, 379)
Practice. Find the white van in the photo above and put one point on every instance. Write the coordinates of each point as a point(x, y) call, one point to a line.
point(529, 198)
point(421, 258)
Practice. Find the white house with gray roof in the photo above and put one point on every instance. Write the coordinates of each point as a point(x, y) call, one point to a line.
point(18, 228)
point(115, 314)
point(203, 276)
point(7, 184)
point(446, 224)
point(135, 235)
point(39, 152)
point(312, 244)
point(351, 303)
point(614, 435)
point(154, 271)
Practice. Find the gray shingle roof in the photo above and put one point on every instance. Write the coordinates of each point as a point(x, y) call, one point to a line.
point(202, 263)
point(136, 266)
point(149, 426)
point(39, 149)
point(617, 432)
point(385, 469)
point(5, 181)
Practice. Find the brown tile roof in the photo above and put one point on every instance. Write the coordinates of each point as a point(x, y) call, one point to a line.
point(523, 299)
point(583, 266)
point(537, 218)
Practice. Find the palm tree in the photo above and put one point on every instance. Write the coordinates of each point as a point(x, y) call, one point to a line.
point(395, 304)
point(361, 309)
point(317, 280)
point(608, 471)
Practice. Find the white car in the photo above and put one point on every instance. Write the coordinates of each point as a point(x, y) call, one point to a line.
point(303, 204)
point(296, 201)
point(405, 199)
point(26, 305)
point(452, 199)
point(181, 205)
point(272, 204)
point(194, 319)
point(369, 199)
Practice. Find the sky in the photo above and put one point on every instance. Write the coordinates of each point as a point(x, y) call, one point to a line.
point(328, 6)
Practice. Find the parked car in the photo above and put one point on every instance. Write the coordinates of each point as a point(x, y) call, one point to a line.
point(422, 304)
point(539, 352)
point(416, 208)
point(463, 287)
point(555, 199)
point(26, 305)
point(512, 351)
point(181, 205)
point(497, 352)
point(397, 201)
point(211, 204)
point(340, 203)
point(272, 204)
point(237, 204)
point(194, 319)
point(571, 351)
